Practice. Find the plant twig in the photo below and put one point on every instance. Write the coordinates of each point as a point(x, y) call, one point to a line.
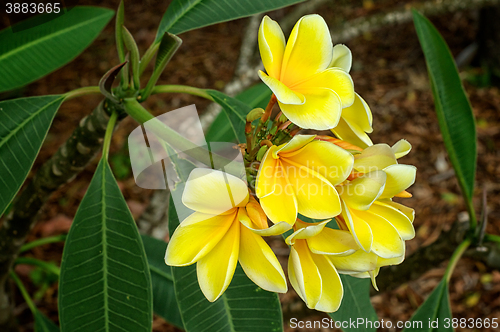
point(182, 89)
point(40, 242)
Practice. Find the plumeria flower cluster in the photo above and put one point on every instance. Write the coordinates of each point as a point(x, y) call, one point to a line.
point(332, 196)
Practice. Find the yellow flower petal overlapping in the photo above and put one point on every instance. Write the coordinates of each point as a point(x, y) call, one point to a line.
point(310, 93)
point(223, 230)
point(301, 176)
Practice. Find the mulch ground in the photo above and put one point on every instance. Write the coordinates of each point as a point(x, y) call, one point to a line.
point(388, 71)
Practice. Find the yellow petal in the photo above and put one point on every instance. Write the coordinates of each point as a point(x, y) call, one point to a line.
point(260, 264)
point(332, 242)
point(375, 157)
point(361, 192)
point(360, 261)
point(331, 288)
point(308, 50)
point(325, 158)
point(351, 134)
point(265, 177)
point(399, 178)
point(320, 111)
point(216, 269)
point(316, 197)
point(387, 242)
point(213, 192)
point(359, 229)
point(334, 79)
point(283, 93)
point(271, 46)
point(294, 146)
point(341, 58)
point(195, 237)
point(408, 211)
point(304, 274)
point(390, 261)
point(257, 216)
point(281, 204)
point(401, 148)
point(276, 229)
point(305, 230)
point(397, 219)
point(359, 115)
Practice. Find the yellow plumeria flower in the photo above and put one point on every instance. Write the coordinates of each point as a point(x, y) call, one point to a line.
point(378, 224)
point(225, 228)
point(356, 120)
point(300, 177)
point(309, 93)
point(363, 264)
point(311, 270)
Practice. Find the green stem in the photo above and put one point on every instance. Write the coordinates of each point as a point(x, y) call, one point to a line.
point(82, 92)
point(179, 143)
point(120, 18)
point(36, 262)
point(472, 214)
point(24, 292)
point(147, 57)
point(109, 134)
point(41, 242)
point(492, 238)
point(455, 258)
point(182, 89)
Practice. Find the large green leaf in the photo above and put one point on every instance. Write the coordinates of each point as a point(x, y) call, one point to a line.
point(44, 324)
point(243, 307)
point(435, 309)
point(164, 301)
point(32, 53)
point(185, 15)
point(24, 123)
point(355, 305)
point(453, 109)
point(105, 282)
point(221, 129)
point(235, 110)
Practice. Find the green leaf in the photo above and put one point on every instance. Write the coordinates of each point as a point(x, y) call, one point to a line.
point(255, 96)
point(235, 110)
point(44, 324)
point(164, 301)
point(435, 309)
point(27, 55)
point(243, 307)
point(185, 15)
point(355, 304)
point(453, 109)
point(105, 281)
point(23, 126)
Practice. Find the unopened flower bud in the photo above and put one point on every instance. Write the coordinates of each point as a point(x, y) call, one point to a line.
point(261, 152)
point(254, 114)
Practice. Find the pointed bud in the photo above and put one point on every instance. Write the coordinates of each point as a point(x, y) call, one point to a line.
point(254, 114)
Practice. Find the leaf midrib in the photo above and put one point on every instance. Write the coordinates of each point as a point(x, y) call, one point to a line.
point(104, 245)
point(160, 272)
point(52, 35)
point(28, 119)
point(195, 3)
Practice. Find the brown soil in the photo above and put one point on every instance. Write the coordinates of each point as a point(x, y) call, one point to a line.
point(389, 72)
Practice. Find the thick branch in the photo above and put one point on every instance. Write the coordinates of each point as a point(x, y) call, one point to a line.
point(65, 164)
point(356, 27)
